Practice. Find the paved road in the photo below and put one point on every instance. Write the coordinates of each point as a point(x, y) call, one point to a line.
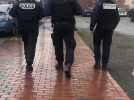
point(125, 27)
point(83, 23)
point(45, 83)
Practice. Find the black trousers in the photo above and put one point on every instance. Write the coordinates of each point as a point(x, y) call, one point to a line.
point(102, 40)
point(29, 39)
point(64, 34)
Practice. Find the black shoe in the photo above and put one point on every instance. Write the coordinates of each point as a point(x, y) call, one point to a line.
point(59, 66)
point(97, 66)
point(104, 67)
point(68, 74)
point(29, 68)
point(67, 70)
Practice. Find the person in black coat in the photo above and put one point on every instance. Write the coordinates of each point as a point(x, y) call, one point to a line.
point(104, 19)
point(63, 23)
point(28, 13)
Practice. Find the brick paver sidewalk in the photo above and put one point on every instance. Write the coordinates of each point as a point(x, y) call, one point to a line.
point(45, 83)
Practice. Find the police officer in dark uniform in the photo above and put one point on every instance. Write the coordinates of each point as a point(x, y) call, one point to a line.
point(28, 13)
point(104, 20)
point(63, 22)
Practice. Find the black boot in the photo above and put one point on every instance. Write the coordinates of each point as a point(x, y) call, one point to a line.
point(67, 70)
point(29, 68)
point(97, 66)
point(59, 66)
point(104, 67)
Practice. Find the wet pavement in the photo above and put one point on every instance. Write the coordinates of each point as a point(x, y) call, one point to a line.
point(45, 83)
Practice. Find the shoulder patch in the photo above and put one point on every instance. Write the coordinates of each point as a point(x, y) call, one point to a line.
point(109, 6)
point(27, 5)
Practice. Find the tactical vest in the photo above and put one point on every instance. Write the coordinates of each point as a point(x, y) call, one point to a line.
point(108, 16)
point(27, 11)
